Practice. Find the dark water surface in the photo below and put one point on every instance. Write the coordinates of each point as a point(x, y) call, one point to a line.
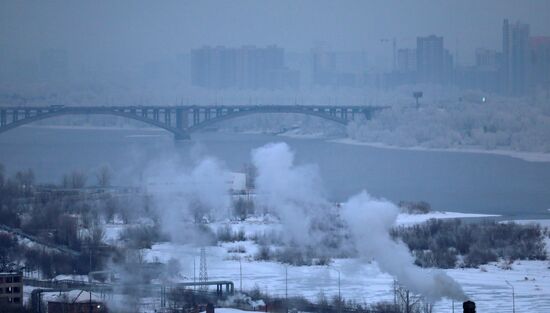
point(463, 182)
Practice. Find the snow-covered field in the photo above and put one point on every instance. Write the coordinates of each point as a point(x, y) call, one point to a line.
point(409, 219)
point(361, 281)
point(365, 282)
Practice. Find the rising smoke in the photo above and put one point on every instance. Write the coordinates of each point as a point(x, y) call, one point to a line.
point(370, 221)
point(292, 191)
point(187, 196)
point(295, 193)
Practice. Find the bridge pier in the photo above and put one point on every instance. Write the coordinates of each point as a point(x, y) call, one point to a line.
point(3, 115)
point(196, 117)
point(181, 136)
point(368, 114)
point(182, 119)
point(168, 117)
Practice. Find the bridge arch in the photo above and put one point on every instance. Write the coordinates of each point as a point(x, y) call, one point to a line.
point(268, 110)
point(178, 134)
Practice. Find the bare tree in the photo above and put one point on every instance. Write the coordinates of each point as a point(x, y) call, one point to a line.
point(104, 175)
point(407, 301)
point(24, 180)
point(77, 179)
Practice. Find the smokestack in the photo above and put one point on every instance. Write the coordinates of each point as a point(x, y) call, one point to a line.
point(469, 307)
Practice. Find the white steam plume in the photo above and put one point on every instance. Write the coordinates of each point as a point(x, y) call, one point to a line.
point(181, 194)
point(370, 221)
point(295, 193)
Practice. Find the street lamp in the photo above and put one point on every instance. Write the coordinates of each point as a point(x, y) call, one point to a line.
point(241, 276)
point(286, 287)
point(339, 293)
point(417, 95)
point(513, 296)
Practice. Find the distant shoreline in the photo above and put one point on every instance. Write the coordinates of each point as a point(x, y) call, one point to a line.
point(411, 219)
point(525, 156)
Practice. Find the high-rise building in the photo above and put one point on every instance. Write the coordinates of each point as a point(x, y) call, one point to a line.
point(539, 59)
point(324, 66)
point(433, 62)
point(406, 60)
point(484, 75)
point(247, 67)
point(515, 58)
point(487, 59)
point(338, 68)
point(213, 67)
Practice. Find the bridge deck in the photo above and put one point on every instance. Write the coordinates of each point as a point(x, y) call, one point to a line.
point(182, 120)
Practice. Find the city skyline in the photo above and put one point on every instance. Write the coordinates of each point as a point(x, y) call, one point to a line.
point(96, 32)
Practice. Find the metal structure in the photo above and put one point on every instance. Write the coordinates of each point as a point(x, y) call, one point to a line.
point(181, 120)
point(203, 271)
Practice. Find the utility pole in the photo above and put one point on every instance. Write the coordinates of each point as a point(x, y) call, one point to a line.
point(339, 294)
point(339, 290)
point(90, 251)
point(241, 275)
point(513, 297)
point(286, 287)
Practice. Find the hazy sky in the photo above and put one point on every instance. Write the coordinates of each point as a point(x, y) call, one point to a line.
point(146, 30)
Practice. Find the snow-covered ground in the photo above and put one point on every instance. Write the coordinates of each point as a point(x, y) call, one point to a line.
point(361, 281)
point(543, 223)
point(526, 156)
point(228, 310)
point(409, 219)
point(364, 282)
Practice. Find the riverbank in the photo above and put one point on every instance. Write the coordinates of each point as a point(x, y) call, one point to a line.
point(525, 156)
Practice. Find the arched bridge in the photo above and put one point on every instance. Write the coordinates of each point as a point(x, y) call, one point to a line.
point(181, 120)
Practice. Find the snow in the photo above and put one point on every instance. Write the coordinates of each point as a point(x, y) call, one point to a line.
point(364, 282)
point(525, 156)
point(361, 281)
point(236, 181)
point(251, 226)
point(502, 125)
point(83, 278)
point(112, 232)
point(229, 310)
point(543, 223)
point(409, 219)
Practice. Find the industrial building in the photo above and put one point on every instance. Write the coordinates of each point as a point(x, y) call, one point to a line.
point(11, 286)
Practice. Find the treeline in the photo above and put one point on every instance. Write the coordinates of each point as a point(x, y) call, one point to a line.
point(332, 304)
point(327, 238)
point(451, 243)
point(63, 216)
